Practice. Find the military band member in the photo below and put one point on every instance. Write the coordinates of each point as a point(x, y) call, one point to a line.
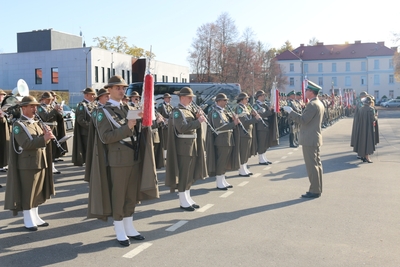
point(60, 131)
point(310, 138)
point(4, 136)
point(30, 178)
point(185, 151)
point(134, 100)
point(102, 97)
point(266, 133)
point(294, 127)
point(247, 119)
point(81, 127)
point(118, 179)
point(165, 109)
point(156, 130)
point(50, 114)
point(220, 148)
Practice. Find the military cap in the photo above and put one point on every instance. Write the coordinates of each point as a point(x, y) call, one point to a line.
point(102, 91)
point(53, 93)
point(368, 100)
point(166, 95)
point(291, 93)
point(363, 94)
point(298, 93)
point(2, 92)
point(283, 94)
point(29, 100)
point(89, 91)
point(313, 86)
point(186, 91)
point(46, 95)
point(126, 97)
point(134, 93)
point(259, 93)
point(242, 96)
point(116, 80)
point(220, 97)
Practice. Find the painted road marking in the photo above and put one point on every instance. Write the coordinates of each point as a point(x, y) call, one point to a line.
point(243, 183)
point(176, 226)
point(276, 161)
point(284, 157)
point(204, 208)
point(256, 174)
point(267, 168)
point(137, 250)
point(227, 194)
point(290, 153)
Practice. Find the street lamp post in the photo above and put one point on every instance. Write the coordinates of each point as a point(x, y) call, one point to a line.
point(90, 49)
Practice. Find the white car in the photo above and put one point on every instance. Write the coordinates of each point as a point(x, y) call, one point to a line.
point(393, 103)
point(69, 117)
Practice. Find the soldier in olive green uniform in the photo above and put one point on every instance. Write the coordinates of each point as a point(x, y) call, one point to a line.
point(81, 128)
point(4, 136)
point(185, 152)
point(165, 109)
point(30, 179)
point(134, 100)
point(49, 115)
point(293, 126)
point(222, 144)
point(245, 138)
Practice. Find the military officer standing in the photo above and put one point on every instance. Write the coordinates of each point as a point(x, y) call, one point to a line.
point(185, 151)
point(165, 109)
point(311, 138)
point(293, 126)
point(220, 153)
point(102, 97)
point(246, 138)
point(81, 128)
point(30, 178)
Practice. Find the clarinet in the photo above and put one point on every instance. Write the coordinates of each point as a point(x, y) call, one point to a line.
point(198, 109)
point(44, 126)
point(262, 120)
point(240, 123)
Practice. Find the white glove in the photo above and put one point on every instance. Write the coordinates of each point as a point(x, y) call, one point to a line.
point(287, 109)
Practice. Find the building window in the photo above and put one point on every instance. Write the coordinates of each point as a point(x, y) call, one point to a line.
point(321, 81)
point(291, 82)
point(108, 73)
point(305, 68)
point(103, 75)
point(363, 66)
point(38, 76)
point(363, 80)
point(376, 94)
point(54, 75)
point(376, 64)
point(333, 67)
point(166, 79)
point(334, 81)
point(163, 79)
point(291, 67)
point(123, 74)
point(391, 79)
point(347, 81)
point(96, 74)
point(113, 72)
point(320, 69)
point(390, 63)
point(347, 66)
point(155, 78)
point(376, 79)
point(128, 76)
point(391, 94)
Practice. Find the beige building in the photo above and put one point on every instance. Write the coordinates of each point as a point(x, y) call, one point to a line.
point(357, 66)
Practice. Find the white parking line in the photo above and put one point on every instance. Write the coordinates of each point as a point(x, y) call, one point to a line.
point(137, 250)
point(227, 194)
point(284, 157)
point(243, 183)
point(256, 174)
point(267, 168)
point(176, 226)
point(204, 208)
point(290, 153)
point(276, 161)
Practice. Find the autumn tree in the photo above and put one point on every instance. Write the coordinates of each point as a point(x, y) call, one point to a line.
point(119, 44)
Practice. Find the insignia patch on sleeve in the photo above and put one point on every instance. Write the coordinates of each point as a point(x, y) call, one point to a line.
point(100, 116)
point(39, 109)
point(240, 110)
point(17, 130)
point(81, 108)
point(256, 107)
point(94, 114)
point(215, 115)
point(176, 114)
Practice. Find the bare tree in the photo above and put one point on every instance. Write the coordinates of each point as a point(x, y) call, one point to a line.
point(313, 41)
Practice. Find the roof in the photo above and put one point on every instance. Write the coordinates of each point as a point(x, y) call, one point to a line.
point(332, 52)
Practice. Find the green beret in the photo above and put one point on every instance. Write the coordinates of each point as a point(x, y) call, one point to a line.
point(298, 93)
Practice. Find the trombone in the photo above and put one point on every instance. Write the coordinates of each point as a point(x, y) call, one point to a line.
point(199, 110)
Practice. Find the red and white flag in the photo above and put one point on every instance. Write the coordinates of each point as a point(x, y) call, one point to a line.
point(275, 98)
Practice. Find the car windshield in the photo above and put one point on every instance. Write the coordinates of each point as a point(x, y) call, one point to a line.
point(66, 108)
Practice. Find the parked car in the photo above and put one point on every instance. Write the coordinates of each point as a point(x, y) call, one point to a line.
point(69, 117)
point(391, 103)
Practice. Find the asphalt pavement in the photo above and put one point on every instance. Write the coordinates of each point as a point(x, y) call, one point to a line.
point(261, 221)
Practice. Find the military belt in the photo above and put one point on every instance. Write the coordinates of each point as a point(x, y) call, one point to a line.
point(54, 123)
point(226, 131)
point(187, 135)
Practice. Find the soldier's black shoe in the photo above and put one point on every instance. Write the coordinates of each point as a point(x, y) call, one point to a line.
point(311, 195)
point(33, 228)
point(124, 243)
point(190, 208)
point(293, 146)
point(269, 162)
point(137, 237)
point(45, 224)
point(263, 163)
point(222, 188)
point(244, 175)
point(196, 206)
point(229, 186)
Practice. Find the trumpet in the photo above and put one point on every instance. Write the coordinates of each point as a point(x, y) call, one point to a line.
point(240, 123)
point(44, 126)
point(199, 110)
point(262, 120)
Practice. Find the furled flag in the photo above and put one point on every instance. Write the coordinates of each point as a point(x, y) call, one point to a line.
point(275, 98)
